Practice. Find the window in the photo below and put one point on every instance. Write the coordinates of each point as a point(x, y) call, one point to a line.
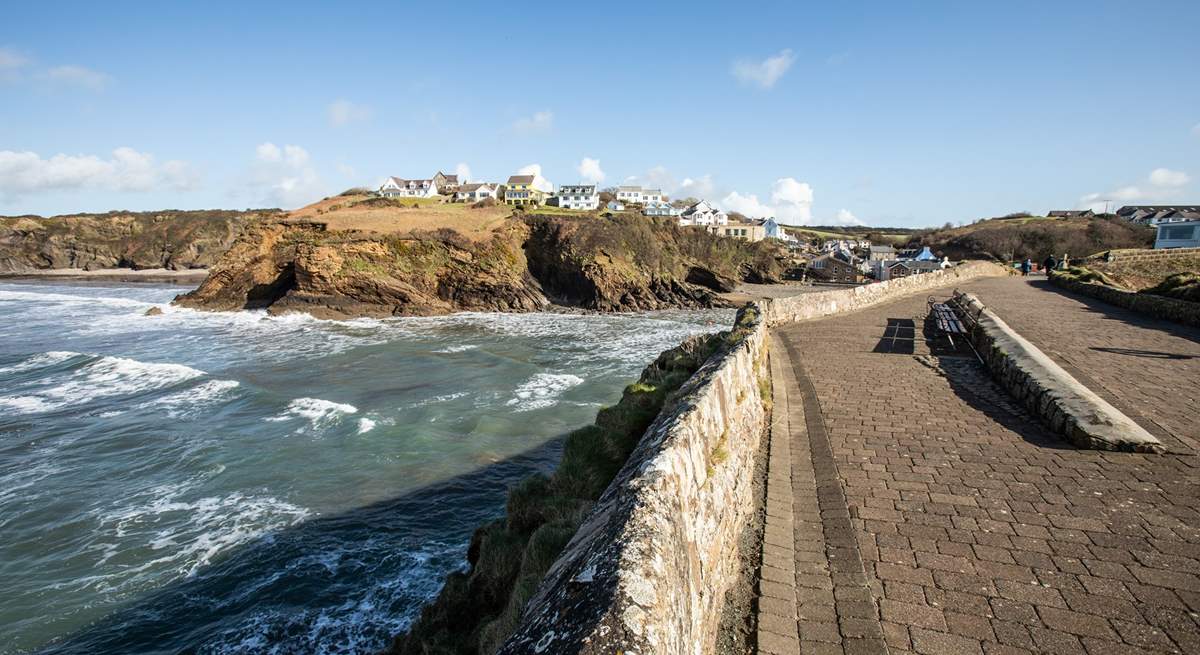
point(1176, 232)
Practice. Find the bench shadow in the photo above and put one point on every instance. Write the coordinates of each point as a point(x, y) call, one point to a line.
point(898, 337)
point(317, 566)
point(1148, 354)
point(972, 382)
point(1115, 313)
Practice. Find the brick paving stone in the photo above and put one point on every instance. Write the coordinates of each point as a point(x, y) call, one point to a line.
point(932, 514)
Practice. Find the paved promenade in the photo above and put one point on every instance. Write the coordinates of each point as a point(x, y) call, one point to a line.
point(929, 514)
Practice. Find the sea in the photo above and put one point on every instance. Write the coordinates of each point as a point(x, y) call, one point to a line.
point(234, 482)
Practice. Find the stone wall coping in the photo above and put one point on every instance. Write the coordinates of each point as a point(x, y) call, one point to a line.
point(1052, 394)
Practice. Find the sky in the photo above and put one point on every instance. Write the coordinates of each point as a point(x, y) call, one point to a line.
point(890, 113)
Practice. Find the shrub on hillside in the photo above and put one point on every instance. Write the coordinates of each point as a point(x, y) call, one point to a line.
point(1181, 286)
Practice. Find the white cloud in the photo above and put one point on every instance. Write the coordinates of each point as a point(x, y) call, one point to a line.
point(539, 182)
point(1196, 129)
point(763, 74)
point(283, 177)
point(846, 217)
point(1165, 177)
point(541, 121)
point(128, 170)
point(701, 187)
point(11, 59)
point(590, 171)
point(463, 172)
point(343, 112)
point(746, 204)
point(1163, 184)
point(79, 76)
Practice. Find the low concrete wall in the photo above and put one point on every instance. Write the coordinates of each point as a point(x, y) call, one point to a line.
point(648, 570)
point(1060, 401)
point(826, 303)
point(1171, 309)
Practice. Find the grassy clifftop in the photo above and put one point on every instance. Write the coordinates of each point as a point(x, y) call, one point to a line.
point(1035, 237)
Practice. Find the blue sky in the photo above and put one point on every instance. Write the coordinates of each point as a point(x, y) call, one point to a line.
point(904, 114)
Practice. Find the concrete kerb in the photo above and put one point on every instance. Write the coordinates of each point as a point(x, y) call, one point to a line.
point(1061, 402)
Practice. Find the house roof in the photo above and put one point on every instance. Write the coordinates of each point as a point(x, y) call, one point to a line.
point(887, 249)
point(474, 186)
point(585, 188)
point(452, 179)
point(521, 179)
point(402, 182)
point(1130, 210)
point(629, 188)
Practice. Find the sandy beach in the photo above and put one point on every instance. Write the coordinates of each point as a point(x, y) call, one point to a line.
point(189, 276)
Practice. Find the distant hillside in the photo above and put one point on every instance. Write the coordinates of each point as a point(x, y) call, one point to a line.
point(1034, 237)
point(873, 234)
point(165, 239)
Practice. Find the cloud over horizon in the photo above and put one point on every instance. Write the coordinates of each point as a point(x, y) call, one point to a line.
point(539, 182)
point(589, 171)
point(127, 170)
point(765, 73)
point(1162, 185)
point(79, 76)
point(283, 177)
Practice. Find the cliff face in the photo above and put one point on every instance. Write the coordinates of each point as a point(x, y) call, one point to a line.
point(169, 239)
point(526, 264)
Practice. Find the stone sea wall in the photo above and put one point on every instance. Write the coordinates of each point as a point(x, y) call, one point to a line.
point(1144, 255)
point(1171, 309)
point(648, 570)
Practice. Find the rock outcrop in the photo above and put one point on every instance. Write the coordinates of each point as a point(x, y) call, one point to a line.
point(525, 264)
point(175, 240)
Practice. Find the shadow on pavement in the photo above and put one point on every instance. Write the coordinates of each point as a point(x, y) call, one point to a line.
point(1116, 313)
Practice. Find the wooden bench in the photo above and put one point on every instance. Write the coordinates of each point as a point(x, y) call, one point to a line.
point(946, 320)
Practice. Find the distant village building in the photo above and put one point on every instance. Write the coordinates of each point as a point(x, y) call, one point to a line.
point(1155, 214)
point(396, 187)
point(446, 184)
point(475, 192)
point(520, 191)
point(773, 230)
point(905, 268)
point(659, 208)
point(1178, 235)
point(637, 194)
point(836, 267)
point(615, 206)
point(578, 196)
point(881, 253)
point(752, 231)
point(704, 214)
point(1070, 213)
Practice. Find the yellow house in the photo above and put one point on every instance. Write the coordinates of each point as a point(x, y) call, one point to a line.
point(520, 191)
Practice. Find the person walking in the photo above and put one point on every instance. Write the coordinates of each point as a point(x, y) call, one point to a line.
point(1026, 266)
point(1049, 264)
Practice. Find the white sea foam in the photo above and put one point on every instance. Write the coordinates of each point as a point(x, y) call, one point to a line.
point(456, 349)
point(365, 425)
point(102, 377)
point(40, 360)
point(543, 390)
point(67, 299)
point(319, 413)
point(190, 532)
point(190, 401)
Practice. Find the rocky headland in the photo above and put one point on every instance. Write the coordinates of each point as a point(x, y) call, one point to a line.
point(173, 240)
point(524, 263)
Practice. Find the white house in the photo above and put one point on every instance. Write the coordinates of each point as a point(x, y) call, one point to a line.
point(639, 195)
point(1178, 235)
point(703, 213)
point(578, 196)
point(775, 231)
point(396, 187)
point(475, 192)
point(659, 208)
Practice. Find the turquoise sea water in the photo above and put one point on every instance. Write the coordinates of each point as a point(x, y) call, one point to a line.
point(233, 482)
